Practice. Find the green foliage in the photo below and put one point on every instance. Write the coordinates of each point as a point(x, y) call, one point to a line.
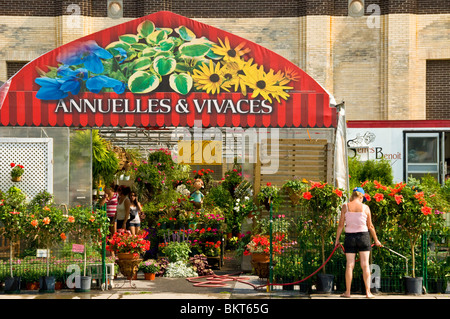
point(270, 194)
point(177, 251)
point(370, 170)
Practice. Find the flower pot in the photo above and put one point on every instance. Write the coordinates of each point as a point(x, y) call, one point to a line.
point(413, 286)
point(47, 284)
point(58, 285)
point(325, 283)
point(127, 256)
point(32, 285)
point(16, 179)
point(12, 285)
point(85, 284)
point(129, 267)
point(260, 257)
point(149, 276)
point(294, 196)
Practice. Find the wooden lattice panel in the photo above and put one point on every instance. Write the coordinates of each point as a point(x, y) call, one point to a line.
point(36, 155)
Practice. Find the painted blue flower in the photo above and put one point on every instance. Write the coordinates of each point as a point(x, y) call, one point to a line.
point(88, 53)
point(50, 89)
point(72, 78)
point(122, 53)
point(96, 83)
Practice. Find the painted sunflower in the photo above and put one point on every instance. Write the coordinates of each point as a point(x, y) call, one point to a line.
point(235, 73)
point(228, 53)
point(210, 78)
point(267, 85)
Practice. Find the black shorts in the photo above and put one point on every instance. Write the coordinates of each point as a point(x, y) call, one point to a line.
point(355, 242)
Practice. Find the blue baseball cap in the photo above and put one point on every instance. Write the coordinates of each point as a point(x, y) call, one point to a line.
point(361, 190)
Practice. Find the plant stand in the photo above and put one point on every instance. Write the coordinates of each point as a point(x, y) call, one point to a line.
point(128, 268)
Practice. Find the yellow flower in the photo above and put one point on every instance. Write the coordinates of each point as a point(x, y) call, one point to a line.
point(228, 53)
point(237, 70)
point(210, 78)
point(267, 85)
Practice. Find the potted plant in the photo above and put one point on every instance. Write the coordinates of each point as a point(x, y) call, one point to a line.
point(128, 248)
point(16, 172)
point(47, 225)
point(12, 215)
point(149, 268)
point(90, 227)
point(270, 195)
point(295, 188)
point(414, 217)
point(322, 202)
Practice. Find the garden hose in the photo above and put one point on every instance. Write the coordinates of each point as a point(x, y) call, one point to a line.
point(221, 280)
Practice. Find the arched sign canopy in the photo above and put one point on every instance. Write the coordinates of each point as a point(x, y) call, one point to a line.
point(163, 70)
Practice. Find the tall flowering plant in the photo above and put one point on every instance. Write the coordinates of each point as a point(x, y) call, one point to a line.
point(124, 242)
point(414, 215)
point(12, 214)
point(87, 225)
point(48, 225)
point(322, 202)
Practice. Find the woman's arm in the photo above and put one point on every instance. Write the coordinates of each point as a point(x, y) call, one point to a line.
point(341, 224)
point(127, 205)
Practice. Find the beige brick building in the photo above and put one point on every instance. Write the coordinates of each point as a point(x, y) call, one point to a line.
point(389, 61)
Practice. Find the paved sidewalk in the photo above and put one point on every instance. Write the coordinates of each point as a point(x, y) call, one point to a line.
point(240, 287)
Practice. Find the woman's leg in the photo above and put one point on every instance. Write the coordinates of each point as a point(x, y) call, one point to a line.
point(133, 230)
point(364, 255)
point(349, 273)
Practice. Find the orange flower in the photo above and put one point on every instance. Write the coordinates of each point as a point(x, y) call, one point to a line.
point(46, 208)
point(426, 210)
point(92, 219)
point(307, 195)
point(71, 219)
point(63, 236)
point(338, 192)
point(398, 199)
point(34, 223)
point(46, 220)
point(379, 197)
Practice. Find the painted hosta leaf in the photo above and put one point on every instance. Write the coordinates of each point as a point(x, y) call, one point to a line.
point(185, 33)
point(166, 45)
point(143, 82)
point(164, 65)
point(181, 83)
point(129, 38)
point(145, 28)
point(156, 37)
point(149, 51)
point(118, 44)
point(142, 63)
point(139, 46)
point(194, 50)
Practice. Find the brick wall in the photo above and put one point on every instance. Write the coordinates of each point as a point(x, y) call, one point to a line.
point(438, 94)
point(219, 9)
point(13, 66)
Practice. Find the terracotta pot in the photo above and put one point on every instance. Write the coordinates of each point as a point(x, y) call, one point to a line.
point(149, 276)
point(33, 285)
point(127, 256)
point(16, 179)
point(58, 285)
point(260, 257)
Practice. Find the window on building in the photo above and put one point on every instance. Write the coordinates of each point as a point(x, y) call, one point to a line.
point(13, 66)
point(438, 94)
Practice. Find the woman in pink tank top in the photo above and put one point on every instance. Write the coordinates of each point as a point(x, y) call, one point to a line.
point(356, 218)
